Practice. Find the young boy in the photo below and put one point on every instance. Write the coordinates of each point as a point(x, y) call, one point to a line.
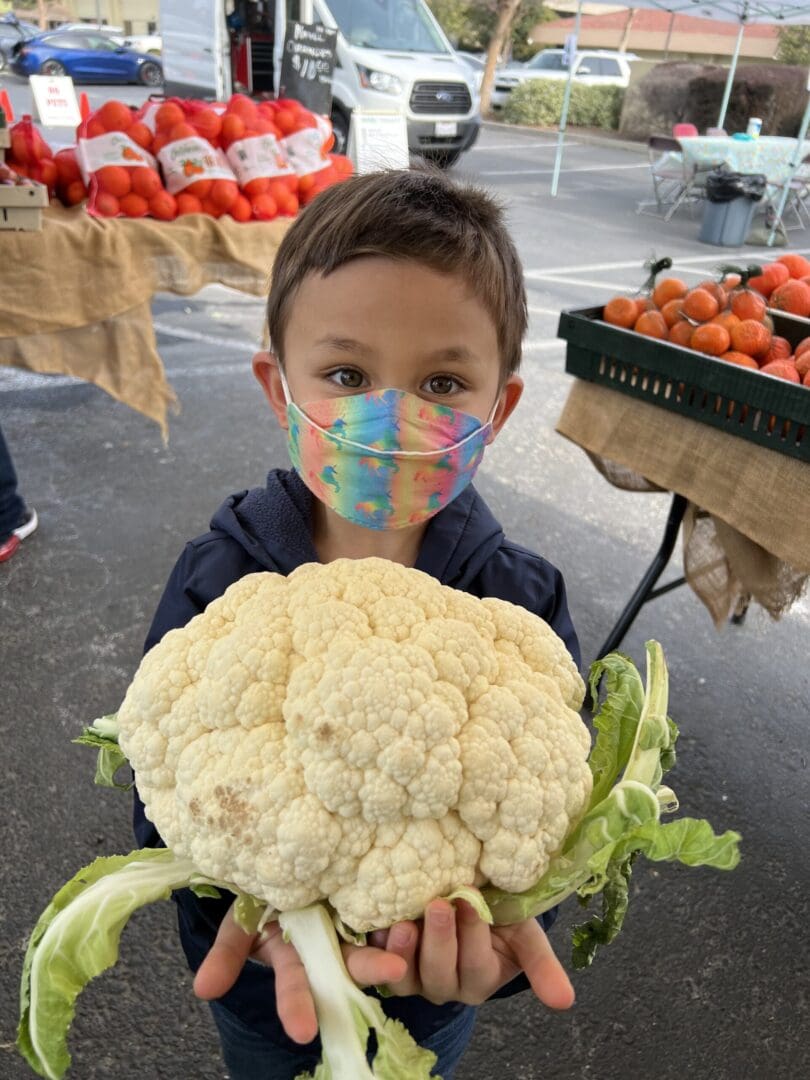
point(396, 317)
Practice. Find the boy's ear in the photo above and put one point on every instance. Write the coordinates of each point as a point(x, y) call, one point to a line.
point(265, 368)
point(510, 396)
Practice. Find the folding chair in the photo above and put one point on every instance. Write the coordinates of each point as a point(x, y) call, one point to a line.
point(674, 181)
point(798, 196)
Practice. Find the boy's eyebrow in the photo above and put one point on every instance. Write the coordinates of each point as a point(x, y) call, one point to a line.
point(342, 344)
point(448, 354)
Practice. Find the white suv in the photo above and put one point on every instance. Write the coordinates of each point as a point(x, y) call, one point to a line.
point(597, 67)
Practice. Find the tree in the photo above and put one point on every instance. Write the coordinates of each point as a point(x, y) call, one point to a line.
point(507, 10)
point(794, 45)
point(38, 6)
point(530, 13)
point(470, 24)
point(454, 18)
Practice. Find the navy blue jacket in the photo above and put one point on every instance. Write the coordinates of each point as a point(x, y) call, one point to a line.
point(269, 529)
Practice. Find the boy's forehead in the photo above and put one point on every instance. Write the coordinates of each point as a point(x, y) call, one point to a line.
point(373, 293)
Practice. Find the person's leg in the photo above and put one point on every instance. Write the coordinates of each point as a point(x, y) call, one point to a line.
point(12, 508)
point(450, 1042)
point(249, 1056)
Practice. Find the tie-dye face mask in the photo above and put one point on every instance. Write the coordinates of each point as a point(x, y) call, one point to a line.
point(384, 459)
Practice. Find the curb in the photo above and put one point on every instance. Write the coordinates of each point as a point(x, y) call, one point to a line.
point(575, 133)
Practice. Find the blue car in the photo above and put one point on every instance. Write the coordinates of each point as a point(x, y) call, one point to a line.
point(86, 57)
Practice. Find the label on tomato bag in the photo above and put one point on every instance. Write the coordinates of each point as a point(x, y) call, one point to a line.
point(305, 151)
point(185, 161)
point(324, 125)
point(148, 115)
point(113, 148)
point(258, 156)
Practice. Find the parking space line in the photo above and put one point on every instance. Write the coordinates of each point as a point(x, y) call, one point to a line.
point(198, 335)
point(585, 282)
point(565, 172)
point(543, 346)
point(686, 260)
point(497, 147)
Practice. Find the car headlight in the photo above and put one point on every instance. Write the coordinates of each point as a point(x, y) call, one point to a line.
point(380, 81)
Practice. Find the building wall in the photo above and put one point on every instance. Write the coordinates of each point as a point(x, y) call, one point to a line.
point(759, 44)
point(135, 16)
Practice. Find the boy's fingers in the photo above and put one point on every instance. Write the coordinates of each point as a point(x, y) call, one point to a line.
point(438, 953)
point(373, 967)
point(403, 942)
point(478, 966)
point(294, 1004)
point(534, 954)
point(226, 958)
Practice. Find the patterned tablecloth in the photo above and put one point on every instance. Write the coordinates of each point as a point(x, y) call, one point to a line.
point(771, 155)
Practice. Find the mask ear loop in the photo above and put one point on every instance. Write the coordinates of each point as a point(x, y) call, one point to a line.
point(287, 395)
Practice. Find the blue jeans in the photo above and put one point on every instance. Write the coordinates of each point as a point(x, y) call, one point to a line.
point(12, 508)
point(249, 1056)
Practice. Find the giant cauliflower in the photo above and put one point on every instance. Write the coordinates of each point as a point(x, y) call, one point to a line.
point(359, 733)
point(341, 746)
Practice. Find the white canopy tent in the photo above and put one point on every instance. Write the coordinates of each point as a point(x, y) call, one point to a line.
point(779, 12)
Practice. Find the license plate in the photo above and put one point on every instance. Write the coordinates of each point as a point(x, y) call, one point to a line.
point(446, 128)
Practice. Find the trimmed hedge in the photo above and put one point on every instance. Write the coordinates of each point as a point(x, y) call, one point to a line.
point(538, 102)
point(674, 93)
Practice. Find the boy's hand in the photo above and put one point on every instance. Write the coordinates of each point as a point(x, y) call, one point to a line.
point(367, 965)
point(455, 956)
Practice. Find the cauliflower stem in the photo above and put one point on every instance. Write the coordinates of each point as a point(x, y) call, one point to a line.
point(345, 1013)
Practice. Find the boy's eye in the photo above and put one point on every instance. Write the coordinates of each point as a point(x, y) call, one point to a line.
point(348, 378)
point(442, 384)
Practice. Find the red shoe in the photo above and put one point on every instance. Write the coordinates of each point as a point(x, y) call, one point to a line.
point(8, 547)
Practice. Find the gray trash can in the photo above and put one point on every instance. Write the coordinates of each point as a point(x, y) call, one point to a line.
point(731, 199)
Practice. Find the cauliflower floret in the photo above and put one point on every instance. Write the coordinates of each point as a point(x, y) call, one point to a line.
point(358, 732)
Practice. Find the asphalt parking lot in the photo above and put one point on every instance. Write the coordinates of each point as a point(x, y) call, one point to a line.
point(709, 978)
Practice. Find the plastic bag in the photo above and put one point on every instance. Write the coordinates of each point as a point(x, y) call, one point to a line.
point(723, 185)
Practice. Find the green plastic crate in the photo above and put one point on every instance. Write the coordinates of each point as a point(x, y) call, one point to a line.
point(761, 408)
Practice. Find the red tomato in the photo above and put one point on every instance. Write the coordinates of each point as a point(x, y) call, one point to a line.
point(114, 179)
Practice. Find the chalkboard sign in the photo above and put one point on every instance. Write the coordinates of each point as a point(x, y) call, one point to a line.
point(308, 64)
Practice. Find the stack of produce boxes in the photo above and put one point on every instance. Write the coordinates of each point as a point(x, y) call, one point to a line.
point(21, 199)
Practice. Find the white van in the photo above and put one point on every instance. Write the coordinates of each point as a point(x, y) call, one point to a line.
point(391, 55)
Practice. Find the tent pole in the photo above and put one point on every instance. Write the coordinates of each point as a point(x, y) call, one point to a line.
point(566, 100)
point(721, 122)
point(798, 155)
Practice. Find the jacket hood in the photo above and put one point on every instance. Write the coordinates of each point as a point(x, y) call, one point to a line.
point(272, 524)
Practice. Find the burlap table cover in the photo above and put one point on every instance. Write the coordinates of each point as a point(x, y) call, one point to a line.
point(75, 297)
point(747, 525)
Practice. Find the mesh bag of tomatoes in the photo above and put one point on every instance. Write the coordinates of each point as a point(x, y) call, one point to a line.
point(31, 156)
point(187, 142)
point(115, 161)
point(279, 152)
point(307, 143)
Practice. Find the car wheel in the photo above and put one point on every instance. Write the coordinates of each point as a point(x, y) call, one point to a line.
point(52, 68)
point(150, 74)
point(340, 127)
point(445, 159)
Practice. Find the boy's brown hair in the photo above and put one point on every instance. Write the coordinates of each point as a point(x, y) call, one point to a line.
point(418, 215)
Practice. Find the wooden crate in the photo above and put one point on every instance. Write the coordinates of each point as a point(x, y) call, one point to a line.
point(21, 206)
